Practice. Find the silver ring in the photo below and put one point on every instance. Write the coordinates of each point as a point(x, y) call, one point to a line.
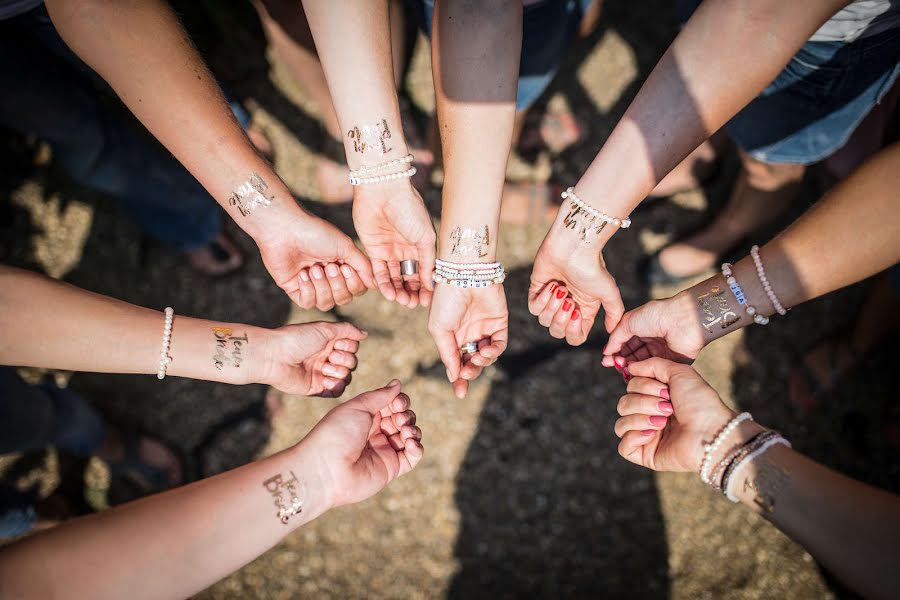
point(469, 348)
point(409, 267)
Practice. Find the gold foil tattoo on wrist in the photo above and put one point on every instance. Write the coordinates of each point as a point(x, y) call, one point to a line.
point(766, 484)
point(371, 137)
point(285, 495)
point(714, 309)
point(224, 336)
point(471, 242)
point(251, 194)
point(586, 225)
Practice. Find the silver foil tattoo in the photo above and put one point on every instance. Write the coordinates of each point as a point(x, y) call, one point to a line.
point(586, 225)
point(371, 137)
point(251, 194)
point(471, 242)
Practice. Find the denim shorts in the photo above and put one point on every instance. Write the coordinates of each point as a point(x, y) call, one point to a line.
point(548, 28)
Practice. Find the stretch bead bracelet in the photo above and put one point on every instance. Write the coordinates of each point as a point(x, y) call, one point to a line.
point(710, 448)
point(734, 457)
point(761, 273)
point(469, 275)
point(774, 440)
point(456, 266)
point(570, 194)
point(741, 298)
point(382, 178)
point(363, 171)
point(164, 358)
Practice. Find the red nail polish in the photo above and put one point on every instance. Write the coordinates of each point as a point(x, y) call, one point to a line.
point(566, 306)
point(560, 293)
point(648, 432)
point(575, 314)
point(658, 421)
point(620, 362)
point(553, 286)
point(626, 374)
point(665, 407)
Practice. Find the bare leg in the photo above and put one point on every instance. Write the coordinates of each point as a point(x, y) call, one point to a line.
point(762, 193)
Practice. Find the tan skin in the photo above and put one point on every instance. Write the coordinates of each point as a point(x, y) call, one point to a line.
point(668, 414)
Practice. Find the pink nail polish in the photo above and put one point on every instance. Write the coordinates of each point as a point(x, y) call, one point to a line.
point(648, 432)
point(560, 293)
point(566, 306)
point(664, 393)
point(665, 407)
point(658, 421)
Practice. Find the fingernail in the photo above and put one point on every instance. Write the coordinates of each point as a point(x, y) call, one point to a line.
point(560, 293)
point(648, 432)
point(566, 306)
point(328, 370)
point(553, 286)
point(332, 270)
point(664, 393)
point(304, 275)
point(620, 362)
point(575, 314)
point(626, 374)
point(393, 382)
point(658, 421)
point(317, 273)
point(346, 270)
point(665, 407)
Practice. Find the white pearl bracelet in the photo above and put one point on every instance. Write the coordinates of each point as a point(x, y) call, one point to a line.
point(710, 448)
point(570, 194)
point(363, 171)
point(777, 440)
point(164, 358)
point(382, 178)
point(761, 273)
point(741, 298)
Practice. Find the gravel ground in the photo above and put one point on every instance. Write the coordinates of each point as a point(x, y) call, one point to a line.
point(521, 492)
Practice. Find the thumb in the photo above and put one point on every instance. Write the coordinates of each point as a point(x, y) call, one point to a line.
point(361, 264)
point(621, 334)
point(349, 331)
point(373, 401)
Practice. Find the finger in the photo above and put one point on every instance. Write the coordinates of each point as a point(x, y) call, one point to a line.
point(460, 388)
point(383, 280)
point(561, 319)
point(449, 353)
point(621, 334)
point(426, 249)
point(324, 299)
point(545, 318)
point(538, 301)
point(396, 441)
point(335, 371)
point(307, 290)
point(333, 387)
point(407, 417)
point(413, 287)
point(613, 307)
point(639, 422)
point(631, 444)
point(411, 432)
point(362, 266)
point(343, 359)
point(338, 285)
point(425, 296)
point(577, 328)
point(354, 283)
point(348, 332)
point(347, 345)
point(373, 401)
point(397, 405)
point(470, 371)
point(658, 368)
point(401, 295)
point(490, 351)
point(648, 386)
point(411, 455)
point(632, 404)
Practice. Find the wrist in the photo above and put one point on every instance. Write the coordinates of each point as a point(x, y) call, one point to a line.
point(261, 356)
point(715, 308)
point(320, 493)
point(383, 191)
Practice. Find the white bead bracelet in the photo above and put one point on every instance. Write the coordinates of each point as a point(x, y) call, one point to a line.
point(164, 358)
point(761, 273)
point(710, 448)
point(571, 195)
point(382, 178)
point(741, 298)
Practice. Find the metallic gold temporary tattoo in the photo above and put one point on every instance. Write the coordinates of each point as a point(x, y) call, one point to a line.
point(223, 337)
point(371, 137)
point(587, 225)
point(714, 309)
point(285, 495)
point(470, 242)
point(766, 483)
point(250, 195)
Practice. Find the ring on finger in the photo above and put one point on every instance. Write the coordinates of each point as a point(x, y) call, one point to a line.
point(469, 348)
point(409, 267)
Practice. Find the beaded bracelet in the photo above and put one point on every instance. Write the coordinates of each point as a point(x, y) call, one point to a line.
point(708, 449)
point(775, 440)
point(742, 451)
point(164, 358)
point(469, 275)
point(570, 194)
point(382, 178)
point(761, 273)
point(716, 476)
point(363, 171)
point(741, 298)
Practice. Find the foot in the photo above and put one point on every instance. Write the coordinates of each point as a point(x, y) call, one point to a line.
point(689, 174)
point(145, 461)
point(529, 203)
point(261, 142)
point(557, 130)
point(699, 252)
point(217, 258)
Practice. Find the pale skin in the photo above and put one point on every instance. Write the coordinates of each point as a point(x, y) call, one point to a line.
point(353, 39)
point(691, 93)
point(179, 102)
point(851, 234)
point(175, 544)
point(475, 60)
point(50, 324)
point(851, 528)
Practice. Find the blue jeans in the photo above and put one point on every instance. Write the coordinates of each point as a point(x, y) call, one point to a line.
point(48, 92)
point(33, 417)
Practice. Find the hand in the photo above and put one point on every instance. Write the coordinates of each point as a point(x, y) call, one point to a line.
point(668, 435)
point(667, 329)
point(315, 263)
point(569, 285)
point(311, 359)
point(468, 315)
point(365, 443)
point(394, 225)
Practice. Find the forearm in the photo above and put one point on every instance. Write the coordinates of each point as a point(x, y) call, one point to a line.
point(475, 60)
point(726, 54)
point(169, 545)
point(143, 52)
point(50, 324)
